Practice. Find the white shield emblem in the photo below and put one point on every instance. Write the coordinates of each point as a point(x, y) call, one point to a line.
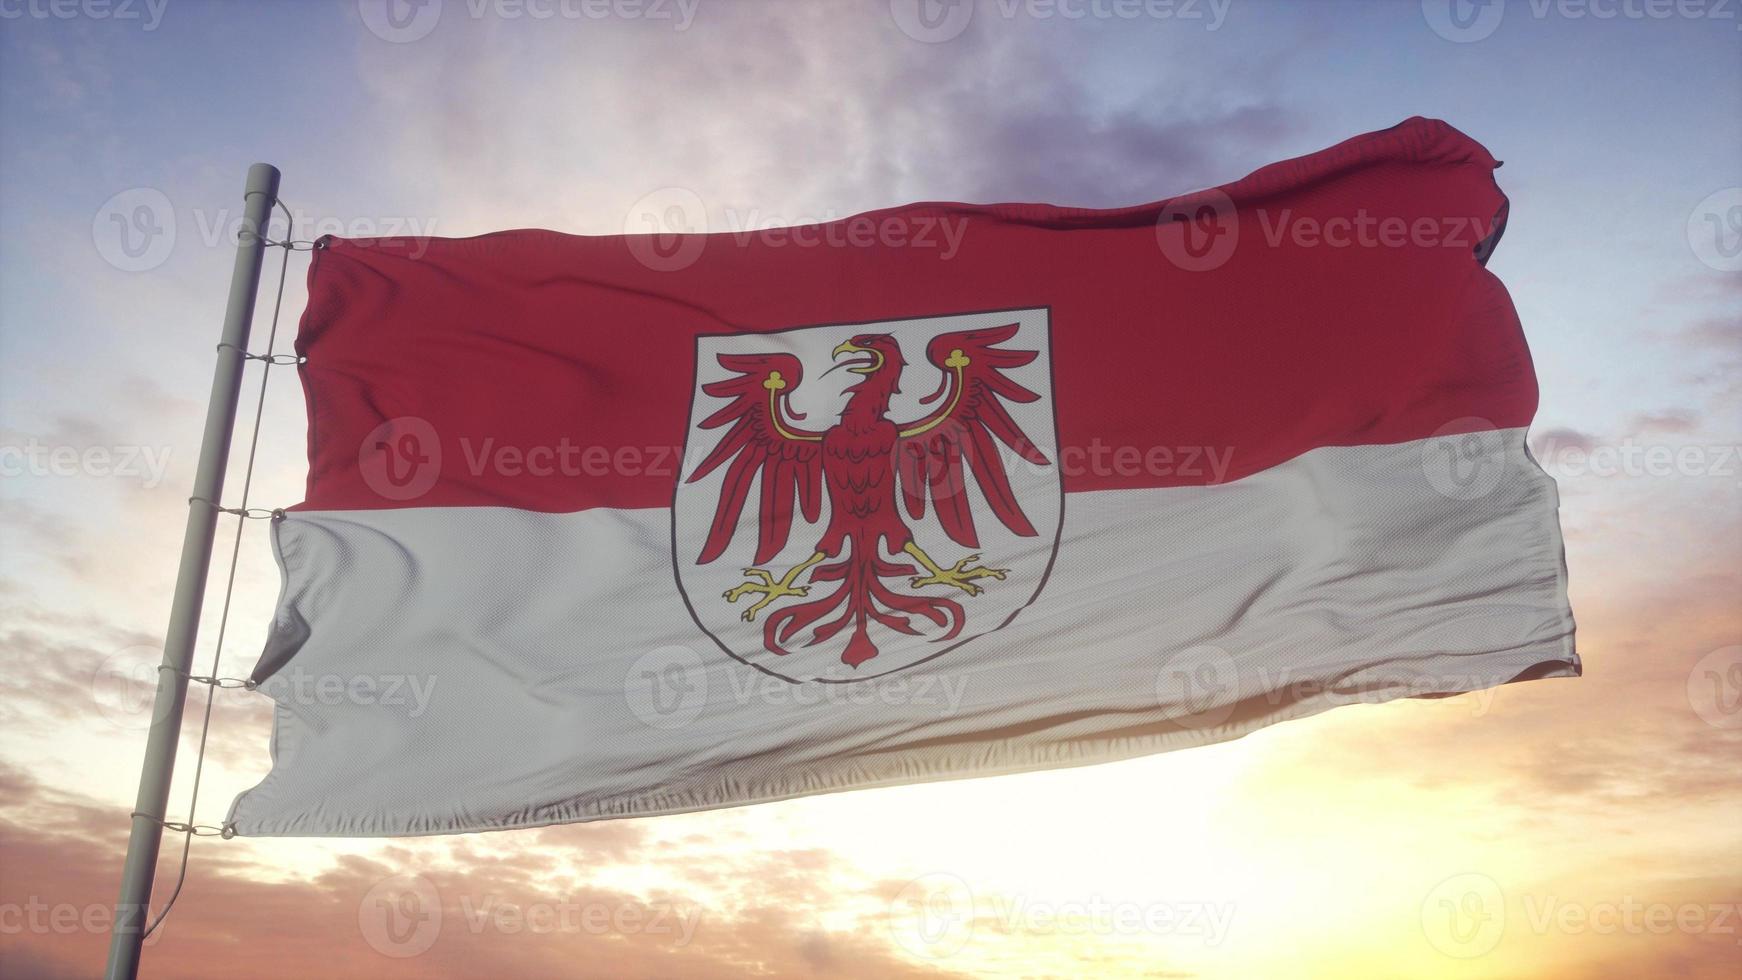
point(860, 498)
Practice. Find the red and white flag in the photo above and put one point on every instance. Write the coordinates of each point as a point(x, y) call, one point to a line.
point(615, 526)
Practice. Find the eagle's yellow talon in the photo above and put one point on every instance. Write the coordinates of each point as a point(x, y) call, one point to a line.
point(765, 585)
point(961, 575)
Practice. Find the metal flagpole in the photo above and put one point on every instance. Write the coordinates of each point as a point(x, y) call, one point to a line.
point(132, 909)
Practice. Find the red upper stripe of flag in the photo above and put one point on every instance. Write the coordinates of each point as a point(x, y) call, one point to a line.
point(1335, 299)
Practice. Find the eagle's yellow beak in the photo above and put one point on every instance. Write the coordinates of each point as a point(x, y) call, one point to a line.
point(857, 367)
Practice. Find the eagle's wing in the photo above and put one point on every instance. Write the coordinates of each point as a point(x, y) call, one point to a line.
point(932, 450)
point(761, 442)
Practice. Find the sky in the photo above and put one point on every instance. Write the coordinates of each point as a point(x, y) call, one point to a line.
point(1567, 828)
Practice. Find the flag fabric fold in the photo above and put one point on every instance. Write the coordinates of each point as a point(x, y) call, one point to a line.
point(618, 526)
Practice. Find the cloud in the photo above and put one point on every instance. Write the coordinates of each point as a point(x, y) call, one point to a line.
point(28, 528)
point(817, 124)
point(503, 918)
point(1703, 287)
point(1714, 331)
point(1673, 422)
point(1550, 441)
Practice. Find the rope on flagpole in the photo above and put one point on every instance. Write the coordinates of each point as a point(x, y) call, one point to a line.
point(270, 358)
point(289, 244)
point(251, 513)
point(195, 829)
point(243, 514)
point(236, 683)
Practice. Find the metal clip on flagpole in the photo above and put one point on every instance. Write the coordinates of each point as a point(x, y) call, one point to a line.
point(150, 811)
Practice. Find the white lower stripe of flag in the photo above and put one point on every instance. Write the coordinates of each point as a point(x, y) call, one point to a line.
point(459, 669)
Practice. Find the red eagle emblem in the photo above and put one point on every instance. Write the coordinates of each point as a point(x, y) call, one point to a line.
point(879, 476)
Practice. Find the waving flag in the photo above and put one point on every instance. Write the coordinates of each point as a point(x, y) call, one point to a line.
point(615, 526)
